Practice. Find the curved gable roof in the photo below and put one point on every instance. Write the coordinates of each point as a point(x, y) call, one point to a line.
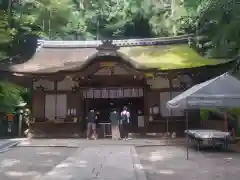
point(151, 53)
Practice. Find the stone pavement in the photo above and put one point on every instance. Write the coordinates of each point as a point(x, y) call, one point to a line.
point(3, 142)
point(30, 162)
point(99, 163)
point(7, 143)
point(169, 163)
point(83, 142)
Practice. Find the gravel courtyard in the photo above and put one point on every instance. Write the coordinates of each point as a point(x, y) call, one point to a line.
point(169, 163)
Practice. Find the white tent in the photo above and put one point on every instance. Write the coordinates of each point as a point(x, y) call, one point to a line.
point(222, 91)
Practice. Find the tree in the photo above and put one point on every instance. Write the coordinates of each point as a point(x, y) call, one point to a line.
point(215, 23)
point(218, 22)
point(9, 93)
point(49, 16)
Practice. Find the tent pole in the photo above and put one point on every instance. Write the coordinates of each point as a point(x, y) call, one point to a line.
point(170, 83)
point(225, 121)
point(186, 128)
point(167, 133)
point(187, 140)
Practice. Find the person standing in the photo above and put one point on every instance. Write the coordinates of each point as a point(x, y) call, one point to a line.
point(97, 124)
point(114, 119)
point(124, 123)
point(91, 124)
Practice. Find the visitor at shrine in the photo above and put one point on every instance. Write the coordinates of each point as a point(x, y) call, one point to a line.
point(114, 119)
point(124, 123)
point(91, 124)
point(97, 124)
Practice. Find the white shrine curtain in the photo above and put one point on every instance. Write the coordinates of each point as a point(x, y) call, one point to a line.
point(50, 106)
point(61, 106)
point(55, 106)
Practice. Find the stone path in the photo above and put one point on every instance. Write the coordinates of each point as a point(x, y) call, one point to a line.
point(3, 142)
point(99, 163)
point(169, 163)
point(30, 162)
point(83, 142)
point(7, 143)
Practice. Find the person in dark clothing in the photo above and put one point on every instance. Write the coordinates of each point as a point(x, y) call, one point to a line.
point(91, 124)
point(124, 123)
point(97, 123)
point(114, 119)
point(232, 126)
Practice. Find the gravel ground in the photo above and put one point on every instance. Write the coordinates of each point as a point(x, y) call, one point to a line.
point(29, 162)
point(169, 163)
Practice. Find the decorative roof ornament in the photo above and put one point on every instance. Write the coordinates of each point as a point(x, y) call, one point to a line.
point(107, 45)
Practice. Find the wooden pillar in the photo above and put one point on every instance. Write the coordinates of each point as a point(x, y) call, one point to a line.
point(56, 91)
point(32, 100)
point(80, 111)
point(38, 103)
point(146, 107)
point(171, 125)
point(80, 107)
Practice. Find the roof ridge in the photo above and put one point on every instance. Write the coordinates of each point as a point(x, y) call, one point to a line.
point(120, 43)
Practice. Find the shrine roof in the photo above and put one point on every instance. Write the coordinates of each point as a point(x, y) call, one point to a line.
point(150, 53)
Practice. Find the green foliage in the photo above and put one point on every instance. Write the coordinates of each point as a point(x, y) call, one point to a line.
point(9, 96)
point(204, 114)
point(215, 20)
point(218, 20)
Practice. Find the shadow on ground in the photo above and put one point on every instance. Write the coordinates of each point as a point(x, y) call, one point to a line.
point(169, 163)
point(27, 163)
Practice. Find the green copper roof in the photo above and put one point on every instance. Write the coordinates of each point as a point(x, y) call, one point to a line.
point(168, 57)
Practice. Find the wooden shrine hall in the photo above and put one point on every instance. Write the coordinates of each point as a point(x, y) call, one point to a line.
point(69, 77)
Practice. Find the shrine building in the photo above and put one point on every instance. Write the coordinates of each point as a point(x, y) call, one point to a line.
point(67, 78)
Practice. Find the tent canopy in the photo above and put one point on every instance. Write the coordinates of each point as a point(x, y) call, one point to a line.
point(222, 91)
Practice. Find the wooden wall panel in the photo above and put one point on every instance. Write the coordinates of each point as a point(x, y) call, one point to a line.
point(38, 106)
point(153, 98)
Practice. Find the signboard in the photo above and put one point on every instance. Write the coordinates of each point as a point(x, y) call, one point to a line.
point(107, 64)
point(10, 117)
point(112, 93)
point(148, 75)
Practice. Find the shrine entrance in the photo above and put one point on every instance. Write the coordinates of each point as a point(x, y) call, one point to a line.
point(103, 100)
point(113, 82)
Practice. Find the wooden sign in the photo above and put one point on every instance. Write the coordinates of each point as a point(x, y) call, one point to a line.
point(148, 75)
point(113, 93)
point(10, 117)
point(107, 64)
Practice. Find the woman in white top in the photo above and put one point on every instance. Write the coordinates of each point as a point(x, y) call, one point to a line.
point(124, 123)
